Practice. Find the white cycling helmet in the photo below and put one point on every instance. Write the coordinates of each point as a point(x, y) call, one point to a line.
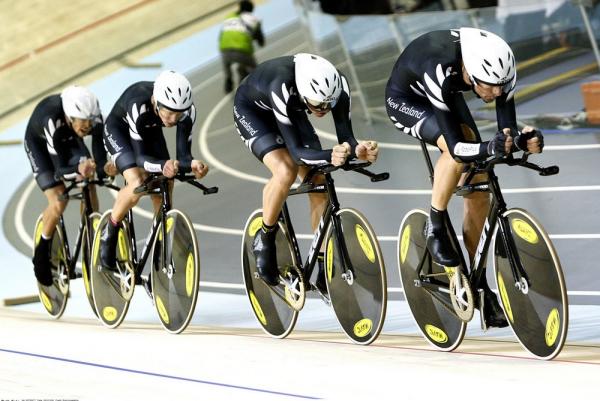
point(487, 57)
point(173, 91)
point(79, 102)
point(317, 80)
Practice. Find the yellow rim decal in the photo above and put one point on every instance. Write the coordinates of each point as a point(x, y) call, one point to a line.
point(365, 243)
point(404, 243)
point(524, 230)
point(257, 309)
point(38, 232)
point(162, 311)
point(504, 296)
point(255, 226)
point(95, 223)
point(189, 275)
point(46, 301)
point(436, 334)
point(363, 327)
point(109, 313)
point(96, 249)
point(329, 264)
point(170, 221)
point(123, 249)
point(86, 280)
point(552, 327)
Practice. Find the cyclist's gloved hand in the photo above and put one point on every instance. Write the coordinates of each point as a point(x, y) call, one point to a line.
point(367, 150)
point(340, 153)
point(500, 144)
point(530, 140)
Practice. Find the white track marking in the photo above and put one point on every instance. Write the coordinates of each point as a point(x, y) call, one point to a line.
point(389, 145)
point(19, 225)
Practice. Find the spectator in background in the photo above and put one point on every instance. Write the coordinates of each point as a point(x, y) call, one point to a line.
point(239, 32)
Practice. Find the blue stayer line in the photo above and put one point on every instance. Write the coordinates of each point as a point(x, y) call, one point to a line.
point(141, 372)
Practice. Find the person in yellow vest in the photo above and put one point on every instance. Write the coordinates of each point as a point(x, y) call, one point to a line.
point(239, 31)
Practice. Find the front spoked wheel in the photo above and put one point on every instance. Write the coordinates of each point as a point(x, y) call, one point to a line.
point(273, 310)
point(175, 283)
point(536, 309)
point(54, 297)
point(86, 252)
point(431, 307)
point(358, 289)
point(112, 291)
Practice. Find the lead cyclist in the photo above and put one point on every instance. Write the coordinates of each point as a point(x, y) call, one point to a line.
point(424, 98)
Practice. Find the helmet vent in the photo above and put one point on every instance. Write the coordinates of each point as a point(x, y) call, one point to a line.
point(501, 63)
point(313, 88)
point(327, 82)
point(485, 69)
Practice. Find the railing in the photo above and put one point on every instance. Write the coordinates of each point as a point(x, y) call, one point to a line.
point(559, 37)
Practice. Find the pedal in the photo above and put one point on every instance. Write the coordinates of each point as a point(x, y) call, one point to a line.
point(290, 290)
point(484, 325)
point(74, 275)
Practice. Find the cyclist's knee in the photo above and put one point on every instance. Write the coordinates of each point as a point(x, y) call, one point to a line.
point(57, 207)
point(285, 172)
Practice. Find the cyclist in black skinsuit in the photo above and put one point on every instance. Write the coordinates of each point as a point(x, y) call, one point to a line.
point(270, 114)
point(55, 148)
point(424, 99)
point(134, 138)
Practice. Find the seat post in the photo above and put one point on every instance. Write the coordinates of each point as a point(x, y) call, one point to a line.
point(427, 160)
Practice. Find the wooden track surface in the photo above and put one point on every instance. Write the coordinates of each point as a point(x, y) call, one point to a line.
point(49, 44)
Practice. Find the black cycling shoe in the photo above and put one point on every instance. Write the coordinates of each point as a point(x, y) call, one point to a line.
point(265, 254)
point(440, 246)
point(492, 311)
point(320, 284)
point(108, 248)
point(42, 267)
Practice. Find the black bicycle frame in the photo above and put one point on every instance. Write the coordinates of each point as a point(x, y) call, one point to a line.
point(329, 216)
point(160, 216)
point(84, 221)
point(495, 216)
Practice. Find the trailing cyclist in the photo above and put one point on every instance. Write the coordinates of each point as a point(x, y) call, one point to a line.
point(56, 150)
point(270, 111)
point(135, 141)
point(424, 99)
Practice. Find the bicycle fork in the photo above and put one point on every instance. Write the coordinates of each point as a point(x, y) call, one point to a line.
point(522, 282)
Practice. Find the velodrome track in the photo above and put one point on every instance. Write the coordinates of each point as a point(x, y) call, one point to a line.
point(223, 354)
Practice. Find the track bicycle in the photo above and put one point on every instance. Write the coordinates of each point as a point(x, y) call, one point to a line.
point(527, 270)
point(64, 263)
point(354, 270)
point(173, 277)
